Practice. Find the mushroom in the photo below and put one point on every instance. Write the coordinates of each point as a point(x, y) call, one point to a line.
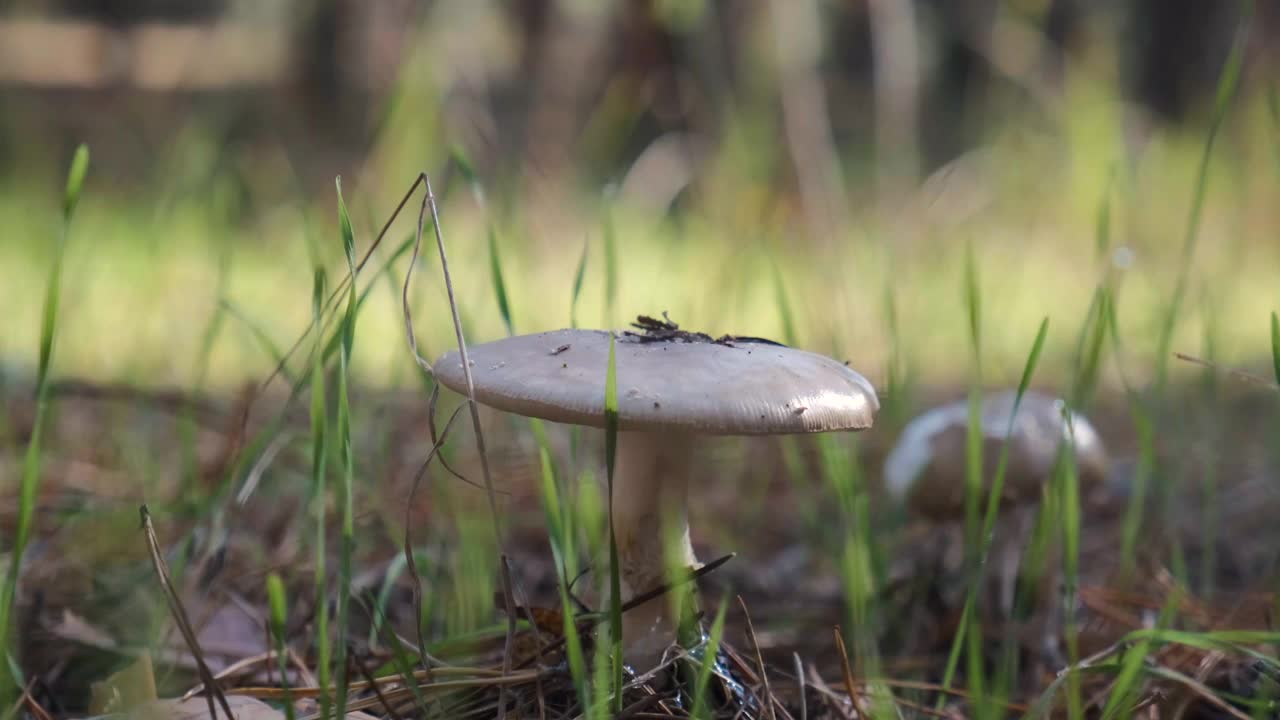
point(673, 387)
point(925, 470)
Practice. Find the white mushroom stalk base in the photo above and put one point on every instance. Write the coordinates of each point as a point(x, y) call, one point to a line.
point(650, 499)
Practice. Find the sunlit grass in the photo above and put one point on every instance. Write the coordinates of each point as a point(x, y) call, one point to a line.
point(278, 605)
point(1034, 250)
point(29, 488)
point(319, 492)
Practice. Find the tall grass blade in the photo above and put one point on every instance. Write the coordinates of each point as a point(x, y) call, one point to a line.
point(974, 436)
point(1102, 224)
point(346, 454)
point(462, 162)
point(10, 682)
point(1125, 689)
point(973, 303)
point(1131, 526)
point(1002, 463)
point(319, 454)
point(967, 617)
point(75, 182)
point(783, 302)
point(208, 339)
point(578, 276)
point(710, 652)
point(429, 204)
point(1069, 503)
point(615, 576)
point(1093, 336)
point(1228, 82)
point(558, 529)
point(278, 607)
point(1275, 345)
point(895, 401)
point(499, 284)
point(262, 337)
point(610, 268)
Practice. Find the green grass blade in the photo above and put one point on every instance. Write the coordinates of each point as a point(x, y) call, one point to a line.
point(973, 304)
point(30, 483)
point(278, 606)
point(1275, 345)
point(1089, 349)
point(1102, 224)
point(561, 537)
point(1228, 82)
point(346, 453)
point(319, 453)
point(710, 651)
point(499, 284)
point(615, 577)
point(783, 302)
point(895, 400)
point(1132, 524)
point(973, 436)
point(1069, 503)
point(386, 271)
point(578, 276)
point(1125, 689)
point(261, 337)
point(1002, 464)
point(403, 663)
point(610, 268)
point(344, 227)
point(463, 162)
point(966, 636)
point(75, 182)
point(208, 340)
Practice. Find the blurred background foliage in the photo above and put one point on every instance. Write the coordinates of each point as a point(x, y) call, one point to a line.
point(833, 159)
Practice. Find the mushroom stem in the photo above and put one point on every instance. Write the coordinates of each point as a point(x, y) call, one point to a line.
point(650, 502)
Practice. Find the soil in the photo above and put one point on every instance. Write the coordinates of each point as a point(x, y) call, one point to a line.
point(89, 600)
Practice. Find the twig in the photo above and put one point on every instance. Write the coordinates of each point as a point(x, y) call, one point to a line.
point(1233, 372)
point(264, 461)
point(847, 671)
point(304, 672)
point(665, 588)
point(180, 617)
point(377, 690)
point(637, 601)
point(342, 286)
point(804, 707)
point(32, 705)
point(410, 335)
point(510, 601)
point(764, 674)
point(412, 564)
point(430, 202)
point(236, 668)
point(437, 439)
point(1198, 688)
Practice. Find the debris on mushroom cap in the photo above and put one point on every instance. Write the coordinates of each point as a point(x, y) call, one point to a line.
point(691, 382)
point(926, 467)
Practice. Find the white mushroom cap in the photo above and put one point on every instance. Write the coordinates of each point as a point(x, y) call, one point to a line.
point(926, 468)
point(717, 388)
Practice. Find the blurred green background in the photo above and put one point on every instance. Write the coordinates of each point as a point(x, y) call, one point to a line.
point(813, 171)
point(841, 154)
